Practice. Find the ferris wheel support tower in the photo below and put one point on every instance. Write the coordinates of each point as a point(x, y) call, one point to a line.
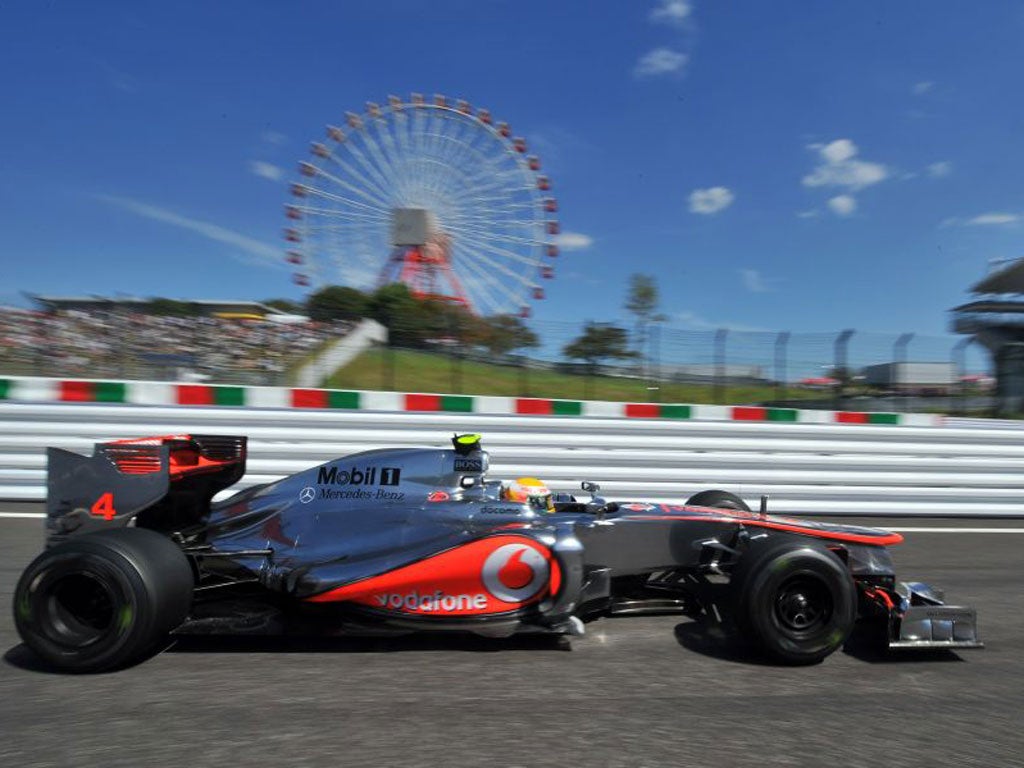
point(422, 259)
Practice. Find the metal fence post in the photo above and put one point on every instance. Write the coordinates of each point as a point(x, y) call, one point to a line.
point(455, 359)
point(318, 363)
point(840, 370)
point(958, 390)
point(38, 334)
point(899, 356)
point(781, 343)
point(719, 387)
point(655, 374)
point(389, 367)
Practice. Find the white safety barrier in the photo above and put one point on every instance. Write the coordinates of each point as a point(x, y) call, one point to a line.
point(804, 468)
point(341, 352)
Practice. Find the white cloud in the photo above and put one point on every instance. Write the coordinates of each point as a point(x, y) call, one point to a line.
point(994, 218)
point(672, 12)
point(693, 321)
point(839, 151)
point(840, 167)
point(753, 281)
point(273, 137)
point(660, 61)
point(711, 200)
point(940, 169)
point(573, 241)
point(923, 87)
point(266, 170)
point(842, 205)
point(268, 253)
point(812, 213)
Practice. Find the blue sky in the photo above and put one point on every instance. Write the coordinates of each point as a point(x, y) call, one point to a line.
point(789, 165)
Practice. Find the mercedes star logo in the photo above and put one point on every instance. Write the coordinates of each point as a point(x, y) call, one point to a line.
point(307, 494)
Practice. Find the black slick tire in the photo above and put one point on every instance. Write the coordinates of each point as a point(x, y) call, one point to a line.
point(717, 500)
point(103, 600)
point(795, 600)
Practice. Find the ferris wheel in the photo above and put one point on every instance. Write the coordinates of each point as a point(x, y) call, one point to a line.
point(435, 194)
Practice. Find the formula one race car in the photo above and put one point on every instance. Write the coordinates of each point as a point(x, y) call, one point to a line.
point(403, 540)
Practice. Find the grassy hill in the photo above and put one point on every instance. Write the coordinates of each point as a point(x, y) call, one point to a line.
point(427, 372)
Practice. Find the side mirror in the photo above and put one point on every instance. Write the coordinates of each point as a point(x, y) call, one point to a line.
point(590, 487)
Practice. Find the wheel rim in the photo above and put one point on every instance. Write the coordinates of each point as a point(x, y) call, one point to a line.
point(80, 609)
point(803, 606)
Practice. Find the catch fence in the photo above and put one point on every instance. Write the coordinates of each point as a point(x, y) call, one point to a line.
point(662, 363)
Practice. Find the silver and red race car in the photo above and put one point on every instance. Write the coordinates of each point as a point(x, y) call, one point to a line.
point(406, 540)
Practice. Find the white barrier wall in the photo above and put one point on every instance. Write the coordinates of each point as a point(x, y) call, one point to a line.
point(805, 468)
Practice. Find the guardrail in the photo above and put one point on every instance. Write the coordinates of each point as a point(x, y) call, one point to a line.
point(860, 469)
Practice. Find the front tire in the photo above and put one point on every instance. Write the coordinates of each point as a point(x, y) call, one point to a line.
point(103, 600)
point(717, 500)
point(795, 600)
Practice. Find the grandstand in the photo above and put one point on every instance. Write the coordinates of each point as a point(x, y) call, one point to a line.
point(240, 342)
point(996, 321)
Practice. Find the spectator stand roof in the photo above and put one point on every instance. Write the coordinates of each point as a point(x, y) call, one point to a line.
point(1001, 305)
point(212, 307)
point(992, 306)
point(1007, 279)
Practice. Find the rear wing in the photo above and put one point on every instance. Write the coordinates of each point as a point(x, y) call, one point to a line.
point(165, 482)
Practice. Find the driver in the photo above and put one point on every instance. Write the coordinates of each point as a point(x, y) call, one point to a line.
point(528, 490)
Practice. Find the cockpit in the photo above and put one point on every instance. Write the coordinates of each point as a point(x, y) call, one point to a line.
point(529, 494)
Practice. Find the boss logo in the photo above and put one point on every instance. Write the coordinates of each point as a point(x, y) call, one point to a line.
point(469, 465)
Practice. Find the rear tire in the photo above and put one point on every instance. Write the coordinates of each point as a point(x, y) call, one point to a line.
point(795, 600)
point(717, 500)
point(103, 600)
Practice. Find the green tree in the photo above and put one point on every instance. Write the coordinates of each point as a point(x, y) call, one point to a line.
point(443, 320)
point(172, 308)
point(842, 374)
point(599, 341)
point(397, 310)
point(286, 305)
point(642, 302)
point(336, 302)
point(501, 334)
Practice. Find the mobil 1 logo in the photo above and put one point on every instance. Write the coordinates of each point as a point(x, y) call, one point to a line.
point(382, 476)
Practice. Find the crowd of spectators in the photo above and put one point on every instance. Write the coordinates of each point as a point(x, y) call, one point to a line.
point(135, 345)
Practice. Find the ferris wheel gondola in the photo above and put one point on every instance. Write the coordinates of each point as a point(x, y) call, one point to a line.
point(432, 193)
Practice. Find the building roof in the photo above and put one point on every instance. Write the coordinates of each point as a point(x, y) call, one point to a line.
point(210, 306)
point(1006, 279)
point(995, 306)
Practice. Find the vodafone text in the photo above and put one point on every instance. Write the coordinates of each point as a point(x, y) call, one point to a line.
point(432, 602)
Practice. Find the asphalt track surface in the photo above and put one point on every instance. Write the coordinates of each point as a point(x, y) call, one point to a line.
point(634, 692)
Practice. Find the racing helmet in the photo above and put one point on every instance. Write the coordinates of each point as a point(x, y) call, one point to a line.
point(529, 490)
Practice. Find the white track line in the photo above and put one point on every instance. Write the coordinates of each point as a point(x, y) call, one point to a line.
point(922, 529)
